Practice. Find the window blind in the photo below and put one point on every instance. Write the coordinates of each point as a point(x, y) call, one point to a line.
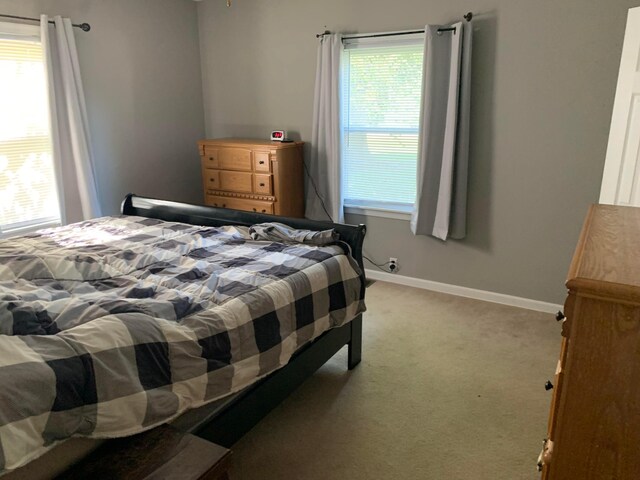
point(381, 94)
point(27, 182)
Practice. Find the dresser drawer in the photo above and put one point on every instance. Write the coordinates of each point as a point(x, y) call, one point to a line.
point(231, 181)
point(557, 392)
point(262, 184)
point(261, 162)
point(252, 205)
point(234, 159)
point(211, 179)
point(215, 201)
point(210, 160)
point(240, 204)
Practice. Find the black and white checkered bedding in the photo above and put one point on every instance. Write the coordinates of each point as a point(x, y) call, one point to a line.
point(115, 325)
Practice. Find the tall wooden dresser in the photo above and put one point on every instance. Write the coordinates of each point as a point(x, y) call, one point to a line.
point(594, 424)
point(253, 175)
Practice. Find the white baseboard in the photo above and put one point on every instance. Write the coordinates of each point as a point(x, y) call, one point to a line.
point(464, 292)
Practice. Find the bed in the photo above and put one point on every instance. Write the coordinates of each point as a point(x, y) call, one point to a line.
point(168, 313)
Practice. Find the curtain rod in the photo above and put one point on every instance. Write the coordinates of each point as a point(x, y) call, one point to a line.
point(467, 17)
point(83, 26)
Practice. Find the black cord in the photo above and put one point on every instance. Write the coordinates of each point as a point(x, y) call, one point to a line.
point(392, 268)
point(379, 265)
point(315, 188)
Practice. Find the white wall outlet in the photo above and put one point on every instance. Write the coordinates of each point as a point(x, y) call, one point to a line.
point(393, 264)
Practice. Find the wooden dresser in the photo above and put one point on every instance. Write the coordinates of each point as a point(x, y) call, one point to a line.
point(253, 175)
point(594, 424)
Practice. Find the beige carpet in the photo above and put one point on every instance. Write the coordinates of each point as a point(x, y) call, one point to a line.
point(449, 388)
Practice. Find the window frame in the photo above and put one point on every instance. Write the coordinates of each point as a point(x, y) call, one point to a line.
point(25, 32)
point(398, 211)
point(19, 31)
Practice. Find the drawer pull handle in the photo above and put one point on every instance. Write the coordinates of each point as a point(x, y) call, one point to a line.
point(215, 204)
point(548, 386)
point(212, 179)
point(211, 158)
point(262, 185)
point(261, 162)
point(560, 316)
point(264, 211)
point(255, 210)
point(224, 205)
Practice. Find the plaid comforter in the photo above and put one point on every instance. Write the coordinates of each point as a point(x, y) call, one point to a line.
point(115, 325)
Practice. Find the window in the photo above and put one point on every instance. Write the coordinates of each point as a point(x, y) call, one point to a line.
point(381, 94)
point(28, 196)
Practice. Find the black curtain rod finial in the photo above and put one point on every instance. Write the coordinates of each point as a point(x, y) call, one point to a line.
point(468, 17)
point(85, 27)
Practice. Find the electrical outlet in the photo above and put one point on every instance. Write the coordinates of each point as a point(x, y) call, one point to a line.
point(393, 264)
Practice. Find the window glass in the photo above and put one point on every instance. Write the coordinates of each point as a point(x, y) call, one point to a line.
point(28, 193)
point(381, 95)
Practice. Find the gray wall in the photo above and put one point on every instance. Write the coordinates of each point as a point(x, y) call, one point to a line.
point(544, 82)
point(141, 70)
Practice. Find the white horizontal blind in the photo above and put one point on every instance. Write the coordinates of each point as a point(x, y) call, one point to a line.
point(381, 93)
point(28, 194)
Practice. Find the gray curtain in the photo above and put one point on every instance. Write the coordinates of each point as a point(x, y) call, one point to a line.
point(324, 198)
point(441, 204)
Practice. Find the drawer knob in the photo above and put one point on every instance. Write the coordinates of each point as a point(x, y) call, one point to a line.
point(560, 316)
point(212, 179)
point(211, 158)
point(261, 162)
point(224, 205)
point(264, 211)
point(262, 184)
point(548, 386)
point(255, 209)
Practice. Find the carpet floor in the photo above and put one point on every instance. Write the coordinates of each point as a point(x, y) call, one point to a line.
point(449, 388)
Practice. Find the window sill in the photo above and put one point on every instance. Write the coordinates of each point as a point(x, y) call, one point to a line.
point(29, 229)
point(378, 212)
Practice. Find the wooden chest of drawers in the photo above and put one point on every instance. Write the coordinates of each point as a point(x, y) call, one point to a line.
point(594, 424)
point(253, 175)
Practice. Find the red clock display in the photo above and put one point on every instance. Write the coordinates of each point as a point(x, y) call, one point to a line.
point(278, 135)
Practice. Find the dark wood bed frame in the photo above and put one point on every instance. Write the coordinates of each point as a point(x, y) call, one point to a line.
point(224, 422)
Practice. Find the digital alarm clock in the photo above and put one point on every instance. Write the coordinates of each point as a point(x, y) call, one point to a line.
point(278, 136)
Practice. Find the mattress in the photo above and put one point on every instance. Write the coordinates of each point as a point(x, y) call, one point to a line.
point(113, 326)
